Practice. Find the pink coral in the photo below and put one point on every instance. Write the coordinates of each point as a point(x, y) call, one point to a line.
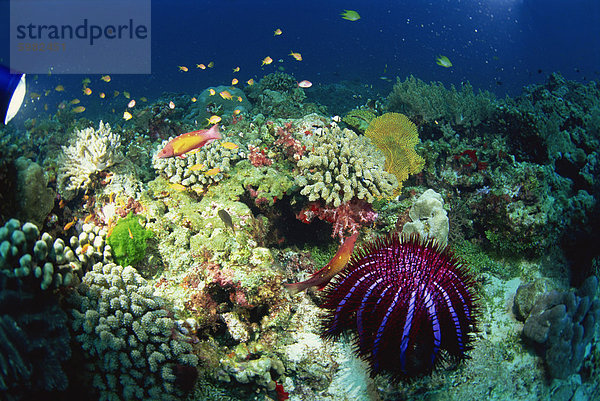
point(257, 157)
point(291, 146)
point(346, 218)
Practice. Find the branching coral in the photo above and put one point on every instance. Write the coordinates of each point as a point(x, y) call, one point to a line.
point(434, 102)
point(341, 165)
point(92, 152)
point(396, 136)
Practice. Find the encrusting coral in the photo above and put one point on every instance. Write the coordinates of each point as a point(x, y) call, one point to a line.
point(341, 165)
point(396, 136)
point(93, 151)
point(135, 349)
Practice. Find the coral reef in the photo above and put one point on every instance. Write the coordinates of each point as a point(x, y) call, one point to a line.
point(340, 165)
point(93, 151)
point(396, 136)
point(563, 324)
point(433, 102)
point(132, 344)
point(35, 199)
point(429, 218)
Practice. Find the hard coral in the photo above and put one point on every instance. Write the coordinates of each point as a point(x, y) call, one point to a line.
point(396, 136)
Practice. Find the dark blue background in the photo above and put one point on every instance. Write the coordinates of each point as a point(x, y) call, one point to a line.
point(499, 45)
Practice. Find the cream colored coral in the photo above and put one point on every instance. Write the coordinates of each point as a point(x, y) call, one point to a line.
point(92, 152)
point(341, 165)
point(429, 218)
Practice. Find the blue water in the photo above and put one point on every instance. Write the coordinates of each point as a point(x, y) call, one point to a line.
point(497, 45)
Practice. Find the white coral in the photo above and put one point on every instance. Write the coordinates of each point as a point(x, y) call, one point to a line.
point(92, 152)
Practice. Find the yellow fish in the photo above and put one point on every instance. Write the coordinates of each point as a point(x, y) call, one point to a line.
point(127, 95)
point(105, 78)
point(183, 68)
point(239, 98)
point(236, 112)
point(59, 88)
point(127, 116)
point(250, 82)
point(277, 32)
point(201, 66)
point(102, 95)
point(212, 171)
point(236, 69)
point(78, 109)
point(234, 81)
point(131, 104)
point(350, 15)
point(267, 60)
point(197, 167)
point(194, 100)
point(297, 56)
point(178, 187)
point(225, 95)
point(211, 91)
point(229, 145)
point(211, 64)
point(213, 120)
point(87, 91)
point(443, 61)
point(74, 101)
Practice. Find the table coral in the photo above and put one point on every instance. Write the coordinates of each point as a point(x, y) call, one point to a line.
point(396, 136)
point(340, 165)
point(93, 151)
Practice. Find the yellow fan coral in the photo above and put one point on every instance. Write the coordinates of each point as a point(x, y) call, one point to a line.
point(396, 136)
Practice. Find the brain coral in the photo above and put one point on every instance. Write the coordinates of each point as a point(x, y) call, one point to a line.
point(396, 136)
point(341, 165)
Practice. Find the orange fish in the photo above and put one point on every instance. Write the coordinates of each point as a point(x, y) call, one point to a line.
point(250, 82)
point(130, 234)
point(70, 224)
point(277, 32)
point(212, 92)
point(234, 81)
point(84, 249)
point(213, 171)
point(183, 68)
point(88, 218)
point(267, 60)
point(171, 105)
point(323, 276)
point(105, 78)
point(194, 100)
point(226, 95)
point(229, 145)
point(131, 104)
point(236, 69)
point(297, 56)
point(61, 204)
point(189, 141)
point(87, 91)
point(127, 116)
point(78, 109)
point(102, 95)
point(239, 98)
point(214, 119)
point(201, 66)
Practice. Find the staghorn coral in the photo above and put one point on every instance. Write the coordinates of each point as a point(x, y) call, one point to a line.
point(93, 151)
point(341, 165)
point(434, 102)
point(132, 344)
point(396, 136)
point(191, 170)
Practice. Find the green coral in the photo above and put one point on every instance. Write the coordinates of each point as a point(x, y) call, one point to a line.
point(432, 102)
point(128, 240)
point(359, 119)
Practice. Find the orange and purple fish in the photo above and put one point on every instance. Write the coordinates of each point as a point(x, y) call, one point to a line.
point(323, 276)
point(189, 141)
